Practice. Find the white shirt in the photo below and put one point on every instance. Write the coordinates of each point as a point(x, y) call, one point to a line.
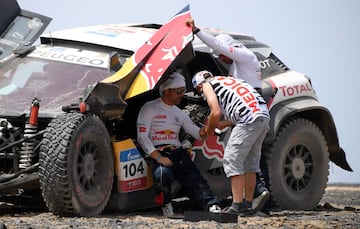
point(160, 124)
point(245, 64)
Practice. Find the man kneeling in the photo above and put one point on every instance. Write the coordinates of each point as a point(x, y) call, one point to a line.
point(158, 127)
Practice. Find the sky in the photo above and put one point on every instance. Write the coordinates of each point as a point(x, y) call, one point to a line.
point(318, 38)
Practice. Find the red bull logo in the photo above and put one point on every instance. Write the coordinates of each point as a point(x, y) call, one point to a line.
point(168, 42)
point(164, 135)
point(212, 148)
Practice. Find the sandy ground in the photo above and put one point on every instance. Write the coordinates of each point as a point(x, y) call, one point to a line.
point(339, 208)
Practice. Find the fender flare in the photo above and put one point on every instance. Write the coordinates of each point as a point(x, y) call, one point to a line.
point(310, 109)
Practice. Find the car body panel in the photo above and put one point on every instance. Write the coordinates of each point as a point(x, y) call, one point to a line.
point(155, 56)
point(287, 86)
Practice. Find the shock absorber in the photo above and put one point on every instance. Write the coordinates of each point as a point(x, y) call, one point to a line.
point(27, 149)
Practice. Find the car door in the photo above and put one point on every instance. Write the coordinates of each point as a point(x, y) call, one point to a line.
point(18, 27)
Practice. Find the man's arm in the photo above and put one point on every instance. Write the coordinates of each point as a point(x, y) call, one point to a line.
point(191, 128)
point(143, 130)
point(215, 110)
point(143, 137)
point(238, 54)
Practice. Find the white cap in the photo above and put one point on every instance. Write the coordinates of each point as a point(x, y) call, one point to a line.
point(200, 77)
point(175, 80)
point(226, 39)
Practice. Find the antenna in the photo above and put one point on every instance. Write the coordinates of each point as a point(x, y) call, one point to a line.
point(51, 40)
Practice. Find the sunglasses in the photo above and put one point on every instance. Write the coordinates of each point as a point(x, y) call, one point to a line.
point(179, 91)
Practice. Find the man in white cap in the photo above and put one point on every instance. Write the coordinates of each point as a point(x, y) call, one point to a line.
point(243, 65)
point(246, 111)
point(158, 127)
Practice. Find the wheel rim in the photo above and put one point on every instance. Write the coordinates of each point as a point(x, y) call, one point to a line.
point(298, 168)
point(87, 166)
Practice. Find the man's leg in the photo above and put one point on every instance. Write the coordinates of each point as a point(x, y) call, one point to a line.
point(237, 188)
point(260, 186)
point(250, 181)
point(239, 205)
point(254, 163)
point(261, 195)
point(194, 184)
point(235, 154)
point(163, 178)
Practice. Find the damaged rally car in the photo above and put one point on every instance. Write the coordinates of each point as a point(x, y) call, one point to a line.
point(68, 109)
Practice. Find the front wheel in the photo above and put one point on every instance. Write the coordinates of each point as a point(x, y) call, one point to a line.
point(76, 165)
point(298, 165)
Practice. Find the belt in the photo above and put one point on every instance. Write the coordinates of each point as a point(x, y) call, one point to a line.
point(166, 147)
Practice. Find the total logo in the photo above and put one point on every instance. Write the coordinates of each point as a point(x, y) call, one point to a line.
point(289, 85)
point(295, 90)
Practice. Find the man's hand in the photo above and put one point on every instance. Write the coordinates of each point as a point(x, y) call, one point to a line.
point(202, 132)
point(165, 161)
point(190, 22)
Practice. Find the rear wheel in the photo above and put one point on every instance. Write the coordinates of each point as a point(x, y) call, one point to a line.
point(298, 165)
point(76, 165)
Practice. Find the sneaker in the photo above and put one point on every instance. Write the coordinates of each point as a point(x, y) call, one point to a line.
point(230, 210)
point(215, 208)
point(259, 202)
point(167, 210)
point(242, 212)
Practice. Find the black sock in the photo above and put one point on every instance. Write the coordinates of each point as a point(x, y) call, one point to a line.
point(247, 204)
point(236, 206)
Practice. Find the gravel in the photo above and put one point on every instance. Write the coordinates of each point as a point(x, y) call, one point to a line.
point(339, 208)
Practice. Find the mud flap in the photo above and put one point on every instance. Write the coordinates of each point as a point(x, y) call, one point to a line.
point(195, 216)
point(104, 100)
point(339, 158)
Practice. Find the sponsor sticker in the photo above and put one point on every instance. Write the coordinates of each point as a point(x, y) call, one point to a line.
point(132, 171)
point(70, 55)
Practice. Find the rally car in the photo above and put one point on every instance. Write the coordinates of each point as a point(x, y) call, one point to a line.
point(68, 109)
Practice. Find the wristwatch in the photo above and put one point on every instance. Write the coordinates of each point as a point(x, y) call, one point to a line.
point(195, 30)
point(158, 158)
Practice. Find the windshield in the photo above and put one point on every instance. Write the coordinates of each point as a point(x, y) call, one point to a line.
point(54, 83)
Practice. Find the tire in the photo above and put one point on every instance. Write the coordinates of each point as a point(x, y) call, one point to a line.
point(76, 166)
point(298, 165)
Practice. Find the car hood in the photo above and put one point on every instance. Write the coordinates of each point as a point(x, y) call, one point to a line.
point(169, 46)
